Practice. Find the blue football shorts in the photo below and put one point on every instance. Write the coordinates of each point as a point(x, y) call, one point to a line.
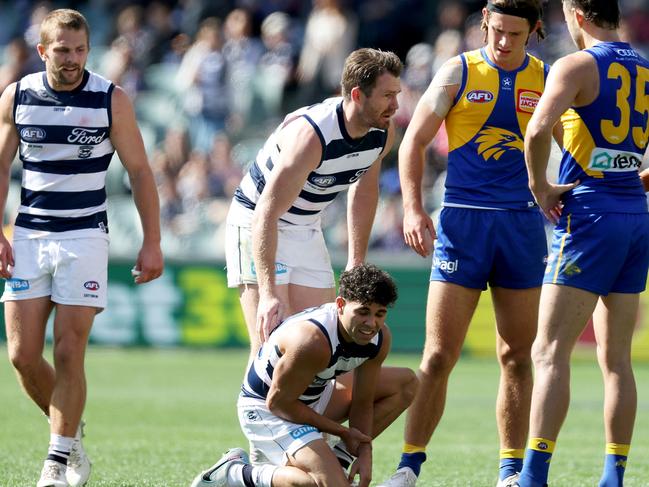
point(602, 253)
point(501, 248)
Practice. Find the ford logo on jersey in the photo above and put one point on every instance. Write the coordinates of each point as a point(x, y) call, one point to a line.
point(480, 96)
point(32, 134)
point(91, 285)
point(323, 181)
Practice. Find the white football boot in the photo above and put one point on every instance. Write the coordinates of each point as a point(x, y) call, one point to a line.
point(52, 475)
point(78, 471)
point(511, 481)
point(217, 474)
point(403, 477)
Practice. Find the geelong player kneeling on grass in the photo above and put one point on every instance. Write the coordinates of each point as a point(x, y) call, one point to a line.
point(297, 389)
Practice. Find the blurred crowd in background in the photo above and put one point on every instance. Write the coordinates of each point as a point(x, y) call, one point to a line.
point(210, 79)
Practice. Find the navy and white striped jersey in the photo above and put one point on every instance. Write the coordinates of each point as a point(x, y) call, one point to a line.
point(344, 161)
point(344, 356)
point(65, 150)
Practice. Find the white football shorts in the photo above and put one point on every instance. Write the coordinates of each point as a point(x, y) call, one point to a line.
point(72, 271)
point(276, 437)
point(302, 257)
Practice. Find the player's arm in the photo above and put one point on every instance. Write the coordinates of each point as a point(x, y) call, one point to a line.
point(644, 177)
point(361, 206)
point(304, 354)
point(127, 140)
point(300, 154)
point(361, 412)
point(8, 147)
point(430, 112)
point(563, 89)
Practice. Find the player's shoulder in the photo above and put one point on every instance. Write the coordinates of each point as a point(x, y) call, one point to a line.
point(579, 63)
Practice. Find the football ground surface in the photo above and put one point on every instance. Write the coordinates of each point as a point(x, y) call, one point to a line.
point(157, 417)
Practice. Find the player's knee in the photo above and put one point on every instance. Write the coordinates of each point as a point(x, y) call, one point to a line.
point(23, 359)
point(516, 362)
point(614, 363)
point(68, 353)
point(438, 362)
point(408, 388)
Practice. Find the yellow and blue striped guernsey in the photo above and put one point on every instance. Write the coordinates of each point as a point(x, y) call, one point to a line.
point(604, 141)
point(486, 128)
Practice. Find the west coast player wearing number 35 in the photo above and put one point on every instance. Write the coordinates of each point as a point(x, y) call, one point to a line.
point(600, 248)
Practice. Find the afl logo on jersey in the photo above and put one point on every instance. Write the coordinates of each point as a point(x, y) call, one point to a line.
point(323, 181)
point(32, 134)
point(480, 96)
point(527, 100)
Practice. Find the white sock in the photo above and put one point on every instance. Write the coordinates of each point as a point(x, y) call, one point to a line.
point(59, 449)
point(262, 475)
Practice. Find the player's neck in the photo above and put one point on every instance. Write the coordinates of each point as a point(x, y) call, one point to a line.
point(595, 35)
point(353, 123)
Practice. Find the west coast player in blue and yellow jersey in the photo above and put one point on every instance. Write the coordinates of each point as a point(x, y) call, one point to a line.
point(490, 230)
point(600, 248)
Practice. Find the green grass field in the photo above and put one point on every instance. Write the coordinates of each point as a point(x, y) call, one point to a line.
point(157, 417)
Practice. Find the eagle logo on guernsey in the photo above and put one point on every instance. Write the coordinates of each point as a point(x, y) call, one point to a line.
point(526, 100)
point(479, 96)
point(493, 142)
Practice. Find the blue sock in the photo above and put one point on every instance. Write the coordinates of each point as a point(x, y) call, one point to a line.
point(413, 461)
point(510, 466)
point(614, 465)
point(537, 463)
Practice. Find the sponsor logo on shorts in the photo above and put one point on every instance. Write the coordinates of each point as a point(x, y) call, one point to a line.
point(252, 415)
point(448, 266)
point(32, 134)
point(527, 100)
point(18, 284)
point(302, 430)
point(88, 295)
point(91, 285)
point(609, 160)
point(279, 269)
point(480, 96)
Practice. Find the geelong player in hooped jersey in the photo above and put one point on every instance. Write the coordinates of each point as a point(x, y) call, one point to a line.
point(490, 230)
point(298, 388)
point(600, 248)
point(275, 249)
point(66, 122)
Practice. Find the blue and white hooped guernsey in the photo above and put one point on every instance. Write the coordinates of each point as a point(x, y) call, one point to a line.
point(344, 356)
point(344, 161)
point(65, 150)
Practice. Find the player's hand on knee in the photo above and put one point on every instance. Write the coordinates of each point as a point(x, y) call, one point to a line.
point(353, 438)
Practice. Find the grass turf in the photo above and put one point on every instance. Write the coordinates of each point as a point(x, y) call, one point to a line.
point(157, 417)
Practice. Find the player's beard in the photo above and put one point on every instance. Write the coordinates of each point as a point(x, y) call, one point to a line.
point(67, 78)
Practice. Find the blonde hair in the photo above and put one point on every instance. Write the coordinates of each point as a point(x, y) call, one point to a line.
point(63, 18)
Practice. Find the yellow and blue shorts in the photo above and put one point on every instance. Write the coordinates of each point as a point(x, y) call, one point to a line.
point(502, 248)
point(601, 253)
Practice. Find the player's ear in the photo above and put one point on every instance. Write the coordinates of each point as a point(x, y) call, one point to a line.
point(355, 94)
point(41, 51)
point(340, 304)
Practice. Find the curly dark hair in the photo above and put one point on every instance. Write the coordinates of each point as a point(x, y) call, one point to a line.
point(602, 13)
point(367, 284)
